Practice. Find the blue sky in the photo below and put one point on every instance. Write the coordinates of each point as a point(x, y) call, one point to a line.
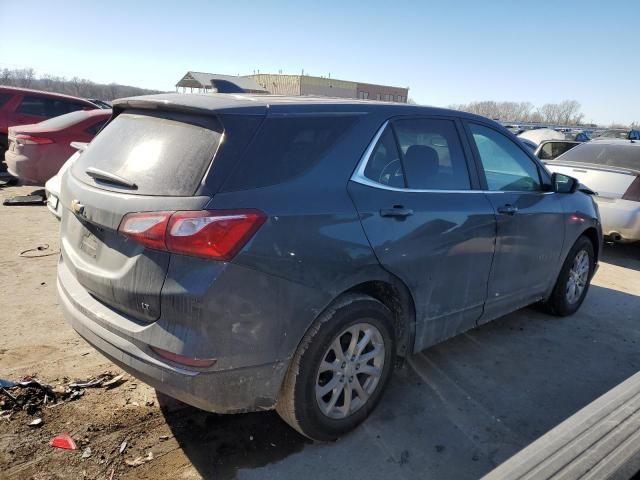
point(447, 52)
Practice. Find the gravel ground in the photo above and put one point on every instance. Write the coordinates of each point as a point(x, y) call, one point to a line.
point(454, 411)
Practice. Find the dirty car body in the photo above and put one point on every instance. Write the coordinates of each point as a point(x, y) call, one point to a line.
point(333, 198)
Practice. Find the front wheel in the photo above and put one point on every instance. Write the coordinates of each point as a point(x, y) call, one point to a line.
point(340, 369)
point(574, 279)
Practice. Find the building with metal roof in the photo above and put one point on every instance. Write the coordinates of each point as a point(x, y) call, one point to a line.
point(292, 85)
point(200, 82)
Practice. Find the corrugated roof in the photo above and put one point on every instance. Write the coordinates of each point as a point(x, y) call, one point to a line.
point(208, 79)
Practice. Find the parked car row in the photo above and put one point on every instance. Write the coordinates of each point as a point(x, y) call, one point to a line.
point(609, 165)
point(611, 168)
point(36, 129)
point(36, 152)
point(283, 267)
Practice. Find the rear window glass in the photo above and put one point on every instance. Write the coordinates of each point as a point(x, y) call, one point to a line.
point(626, 155)
point(96, 127)
point(551, 150)
point(162, 153)
point(64, 121)
point(285, 148)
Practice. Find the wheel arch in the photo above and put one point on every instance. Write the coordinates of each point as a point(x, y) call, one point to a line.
point(592, 234)
point(395, 295)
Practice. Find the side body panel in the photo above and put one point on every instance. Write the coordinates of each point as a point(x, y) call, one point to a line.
point(443, 253)
point(528, 247)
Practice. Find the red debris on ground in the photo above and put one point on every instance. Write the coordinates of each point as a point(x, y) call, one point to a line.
point(63, 441)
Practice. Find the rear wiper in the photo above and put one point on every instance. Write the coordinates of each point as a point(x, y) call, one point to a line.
point(103, 176)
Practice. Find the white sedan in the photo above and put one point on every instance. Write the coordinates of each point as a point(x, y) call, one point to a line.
point(612, 169)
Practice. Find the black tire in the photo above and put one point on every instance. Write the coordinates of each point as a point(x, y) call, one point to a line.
point(558, 303)
point(4, 144)
point(297, 403)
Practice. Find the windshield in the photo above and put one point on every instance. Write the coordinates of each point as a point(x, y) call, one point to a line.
point(624, 155)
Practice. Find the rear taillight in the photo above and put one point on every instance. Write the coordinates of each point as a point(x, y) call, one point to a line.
point(217, 235)
point(633, 192)
point(31, 140)
point(147, 228)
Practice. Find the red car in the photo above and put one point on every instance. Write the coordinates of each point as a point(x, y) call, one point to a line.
point(21, 106)
point(36, 152)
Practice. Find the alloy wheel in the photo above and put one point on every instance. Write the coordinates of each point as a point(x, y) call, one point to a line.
point(350, 370)
point(578, 277)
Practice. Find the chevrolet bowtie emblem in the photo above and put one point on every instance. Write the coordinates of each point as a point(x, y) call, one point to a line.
point(77, 207)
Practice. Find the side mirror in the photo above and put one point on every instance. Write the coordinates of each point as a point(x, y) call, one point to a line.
point(564, 183)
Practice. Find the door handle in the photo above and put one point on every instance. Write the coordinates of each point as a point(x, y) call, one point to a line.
point(396, 211)
point(508, 209)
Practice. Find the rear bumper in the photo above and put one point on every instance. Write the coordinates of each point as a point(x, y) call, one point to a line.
point(231, 390)
point(22, 167)
point(620, 217)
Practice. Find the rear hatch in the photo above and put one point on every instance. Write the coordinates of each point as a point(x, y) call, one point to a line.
point(143, 160)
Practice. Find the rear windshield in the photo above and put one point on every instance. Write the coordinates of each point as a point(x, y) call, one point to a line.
point(625, 155)
point(64, 121)
point(162, 153)
point(285, 148)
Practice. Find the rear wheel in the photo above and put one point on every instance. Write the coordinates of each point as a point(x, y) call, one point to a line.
point(4, 145)
point(340, 370)
point(574, 279)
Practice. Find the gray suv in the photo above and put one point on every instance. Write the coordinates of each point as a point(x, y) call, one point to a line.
point(246, 253)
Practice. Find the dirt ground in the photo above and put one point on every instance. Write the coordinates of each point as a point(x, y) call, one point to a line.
point(454, 411)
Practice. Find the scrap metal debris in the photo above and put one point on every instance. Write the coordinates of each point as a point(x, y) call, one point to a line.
point(64, 441)
point(30, 395)
point(139, 460)
point(22, 200)
point(93, 382)
point(7, 383)
point(36, 423)
point(114, 382)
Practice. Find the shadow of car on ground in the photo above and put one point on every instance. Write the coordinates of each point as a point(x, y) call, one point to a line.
point(456, 410)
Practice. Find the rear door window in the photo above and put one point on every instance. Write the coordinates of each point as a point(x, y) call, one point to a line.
point(432, 154)
point(162, 153)
point(285, 148)
point(32, 105)
point(47, 107)
point(384, 165)
point(4, 98)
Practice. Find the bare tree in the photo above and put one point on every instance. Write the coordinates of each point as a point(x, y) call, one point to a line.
point(6, 77)
point(76, 86)
point(564, 113)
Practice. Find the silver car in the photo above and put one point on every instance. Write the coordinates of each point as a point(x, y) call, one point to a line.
point(611, 168)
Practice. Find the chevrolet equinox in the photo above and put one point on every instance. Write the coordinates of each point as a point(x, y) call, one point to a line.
point(246, 253)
